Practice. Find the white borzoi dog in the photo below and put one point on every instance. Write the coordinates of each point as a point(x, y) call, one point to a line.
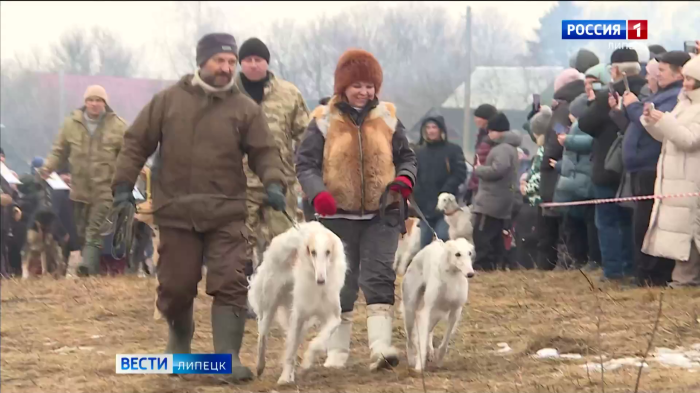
point(435, 288)
point(300, 278)
point(409, 245)
point(458, 218)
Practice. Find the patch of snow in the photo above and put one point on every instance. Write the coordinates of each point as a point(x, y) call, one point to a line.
point(65, 350)
point(503, 348)
point(696, 347)
point(570, 356)
point(615, 364)
point(547, 353)
point(96, 336)
point(86, 348)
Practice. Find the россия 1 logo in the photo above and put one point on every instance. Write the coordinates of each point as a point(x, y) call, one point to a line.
point(604, 29)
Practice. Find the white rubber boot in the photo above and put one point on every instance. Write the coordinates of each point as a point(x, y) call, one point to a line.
point(379, 329)
point(339, 343)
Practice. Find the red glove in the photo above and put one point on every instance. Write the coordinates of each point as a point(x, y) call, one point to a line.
point(404, 191)
point(324, 204)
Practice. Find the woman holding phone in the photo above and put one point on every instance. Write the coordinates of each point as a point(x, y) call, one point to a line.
point(674, 228)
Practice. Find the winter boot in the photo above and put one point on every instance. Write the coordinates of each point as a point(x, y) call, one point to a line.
point(90, 265)
point(228, 327)
point(379, 329)
point(180, 332)
point(339, 343)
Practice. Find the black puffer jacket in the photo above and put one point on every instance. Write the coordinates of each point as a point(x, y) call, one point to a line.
point(441, 168)
point(596, 122)
point(552, 149)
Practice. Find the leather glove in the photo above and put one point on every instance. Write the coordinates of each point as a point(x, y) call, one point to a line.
point(404, 191)
point(275, 197)
point(123, 193)
point(324, 204)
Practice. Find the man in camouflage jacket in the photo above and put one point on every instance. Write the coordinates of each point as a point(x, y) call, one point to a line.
point(90, 140)
point(287, 117)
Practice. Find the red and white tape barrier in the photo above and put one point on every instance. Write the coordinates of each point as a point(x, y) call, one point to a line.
point(617, 200)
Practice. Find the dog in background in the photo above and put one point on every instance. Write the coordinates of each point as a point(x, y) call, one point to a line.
point(409, 245)
point(42, 253)
point(299, 282)
point(458, 218)
point(435, 287)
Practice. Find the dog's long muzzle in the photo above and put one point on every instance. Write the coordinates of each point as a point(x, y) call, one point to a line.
point(321, 275)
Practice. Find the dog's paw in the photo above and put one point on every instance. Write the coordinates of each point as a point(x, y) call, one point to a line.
point(286, 379)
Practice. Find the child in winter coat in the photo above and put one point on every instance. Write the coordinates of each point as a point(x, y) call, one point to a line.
point(493, 204)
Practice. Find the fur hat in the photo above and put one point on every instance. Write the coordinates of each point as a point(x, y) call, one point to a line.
point(565, 77)
point(583, 60)
point(624, 55)
point(357, 65)
point(540, 122)
point(485, 111)
point(498, 122)
point(656, 50)
point(96, 91)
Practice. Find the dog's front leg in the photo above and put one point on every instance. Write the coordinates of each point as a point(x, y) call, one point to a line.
point(320, 343)
point(423, 337)
point(451, 327)
point(294, 333)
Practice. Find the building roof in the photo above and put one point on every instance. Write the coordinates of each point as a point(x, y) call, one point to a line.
point(507, 88)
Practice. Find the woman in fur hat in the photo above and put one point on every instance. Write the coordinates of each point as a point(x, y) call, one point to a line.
point(353, 148)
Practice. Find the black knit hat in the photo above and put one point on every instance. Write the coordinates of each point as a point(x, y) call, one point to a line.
point(675, 57)
point(214, 43)
point(254, 47)
point(485, 111)
point(624, 55)
point(498, 122)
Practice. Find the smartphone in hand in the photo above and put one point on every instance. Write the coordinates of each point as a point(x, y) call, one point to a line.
point(626, 82)
point(690, 47)
point(560, 129)
point(536, 102)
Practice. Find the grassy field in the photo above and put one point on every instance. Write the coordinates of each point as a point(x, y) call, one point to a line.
point(61, 336)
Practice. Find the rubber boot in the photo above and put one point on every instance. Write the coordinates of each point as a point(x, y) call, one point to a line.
point(379, 329)
point(90, 265)
point(180, 332)
point(339, 343)
point(228, 327)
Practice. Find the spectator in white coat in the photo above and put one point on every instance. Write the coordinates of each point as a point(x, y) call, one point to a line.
point(674, 228)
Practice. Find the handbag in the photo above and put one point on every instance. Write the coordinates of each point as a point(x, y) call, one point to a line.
point(613, 160)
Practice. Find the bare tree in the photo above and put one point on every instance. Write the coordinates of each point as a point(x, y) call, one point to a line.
point(73, 53)
point(196, 18)
point(114, 58)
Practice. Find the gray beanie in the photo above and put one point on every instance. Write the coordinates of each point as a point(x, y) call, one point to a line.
point(578, 106)
point(540, 122)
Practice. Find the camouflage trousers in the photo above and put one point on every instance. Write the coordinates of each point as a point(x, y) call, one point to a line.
point(263, 222)
point(89, 219)
point(43, 246)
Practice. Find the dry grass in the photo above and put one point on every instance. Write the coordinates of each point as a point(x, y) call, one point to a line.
point(528, 310)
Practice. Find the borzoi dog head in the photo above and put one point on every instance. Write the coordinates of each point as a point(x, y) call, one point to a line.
point(321, 248)
point(447, 202)
point(459, 258)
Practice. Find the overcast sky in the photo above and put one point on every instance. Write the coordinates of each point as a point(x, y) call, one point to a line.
point(27, 26)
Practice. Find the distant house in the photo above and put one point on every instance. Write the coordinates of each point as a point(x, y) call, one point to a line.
point(510, 89)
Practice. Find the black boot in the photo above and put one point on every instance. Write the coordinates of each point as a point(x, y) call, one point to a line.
point(180, 332)
point(227, 328)
point(90, 265)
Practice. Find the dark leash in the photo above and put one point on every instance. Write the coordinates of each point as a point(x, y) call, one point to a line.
point(402, 208)
point(120, 224)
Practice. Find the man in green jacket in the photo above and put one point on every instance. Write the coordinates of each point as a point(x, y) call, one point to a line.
point(90, 140)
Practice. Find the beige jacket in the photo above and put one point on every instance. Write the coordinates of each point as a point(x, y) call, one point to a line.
point(675, 222)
